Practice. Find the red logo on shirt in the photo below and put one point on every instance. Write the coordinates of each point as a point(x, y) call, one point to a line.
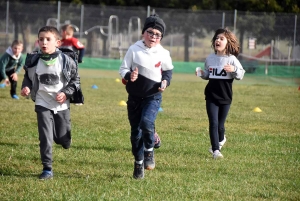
point(158, 64)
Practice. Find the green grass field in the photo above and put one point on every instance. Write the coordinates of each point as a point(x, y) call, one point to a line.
point(261, 156)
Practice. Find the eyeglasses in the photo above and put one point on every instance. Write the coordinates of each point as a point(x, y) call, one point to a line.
point(151, 34)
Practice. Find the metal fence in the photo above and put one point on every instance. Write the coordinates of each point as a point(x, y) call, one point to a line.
point(107, 32)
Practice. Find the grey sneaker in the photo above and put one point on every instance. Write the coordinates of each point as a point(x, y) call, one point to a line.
point(138, 171)
point(46, 174)
point(149, 161)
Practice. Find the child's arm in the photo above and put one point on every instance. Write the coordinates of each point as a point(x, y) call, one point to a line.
point(14, 77)
point(167, 69)
point(238, 71)
point(81, 54)
point(205, 72)
point(74, 82)
point(125, 68)
point(26, 85)
point(19, 65)
point(3, 63)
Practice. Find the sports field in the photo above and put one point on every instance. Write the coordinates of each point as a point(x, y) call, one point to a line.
point(261, 156)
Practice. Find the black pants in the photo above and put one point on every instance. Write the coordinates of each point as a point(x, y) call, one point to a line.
point(217, 114)
point(13, 84)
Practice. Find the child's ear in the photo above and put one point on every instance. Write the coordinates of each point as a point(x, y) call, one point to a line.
point(58, 43)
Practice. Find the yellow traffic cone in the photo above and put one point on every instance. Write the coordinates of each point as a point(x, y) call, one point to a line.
point(257, 109)
point(122, 103)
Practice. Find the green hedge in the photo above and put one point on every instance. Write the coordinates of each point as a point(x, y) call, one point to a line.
point(189, 67)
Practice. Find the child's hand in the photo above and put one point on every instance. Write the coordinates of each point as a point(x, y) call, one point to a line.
point(229, 68)
point(124, 81)
point(199, 72)
point(25, 91)
point(6, 81)
point(61, 97)
point(134, 74)
point(14, 77)
point(163, 86)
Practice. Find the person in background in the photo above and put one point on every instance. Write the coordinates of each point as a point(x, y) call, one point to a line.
point(70, 42)
point(11, 63)
point(147, 68)
point(51, 90)
point(220, 68)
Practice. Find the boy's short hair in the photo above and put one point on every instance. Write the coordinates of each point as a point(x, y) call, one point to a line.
point(68, 29)
point(50, 29)
point(16, 42)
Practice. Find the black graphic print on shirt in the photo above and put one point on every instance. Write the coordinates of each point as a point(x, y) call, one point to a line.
point(49, 79)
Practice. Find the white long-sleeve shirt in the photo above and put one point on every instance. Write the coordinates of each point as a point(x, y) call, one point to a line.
point(154, 65)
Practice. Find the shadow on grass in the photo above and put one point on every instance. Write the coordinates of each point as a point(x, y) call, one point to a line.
point(11, 172)
point(101, 147)
point(9, 144)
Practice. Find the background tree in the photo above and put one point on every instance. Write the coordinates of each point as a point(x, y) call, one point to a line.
point(175, 24)
point(255, 25)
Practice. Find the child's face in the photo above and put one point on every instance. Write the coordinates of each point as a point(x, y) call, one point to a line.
point(48, 42)
point(17, 49)
point(152, 37)
point(220, 44)
point(63, 34)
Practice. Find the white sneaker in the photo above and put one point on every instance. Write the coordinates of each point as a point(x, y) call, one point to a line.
point(221, 144)
point(217, 155)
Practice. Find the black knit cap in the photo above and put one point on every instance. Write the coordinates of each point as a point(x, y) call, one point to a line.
point(154, 22)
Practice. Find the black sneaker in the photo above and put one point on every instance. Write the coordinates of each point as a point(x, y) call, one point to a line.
point(46, 174)
point(156, 140)
point(149, 161)
point(138, 171)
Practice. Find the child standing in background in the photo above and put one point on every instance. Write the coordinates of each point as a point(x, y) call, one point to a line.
point(221, 68)
point(70, 42)
point(147, 69)
point(52, 79)
point(11, 63)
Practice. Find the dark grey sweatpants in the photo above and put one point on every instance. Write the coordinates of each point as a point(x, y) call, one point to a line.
point(52, 127)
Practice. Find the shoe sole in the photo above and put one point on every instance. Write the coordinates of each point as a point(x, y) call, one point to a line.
point(156, 146)
point(219, 156)
point(138, 177)
point(150, 168)
point(46, 178)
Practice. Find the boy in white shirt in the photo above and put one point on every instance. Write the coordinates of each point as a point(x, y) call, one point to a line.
point(147, 69)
